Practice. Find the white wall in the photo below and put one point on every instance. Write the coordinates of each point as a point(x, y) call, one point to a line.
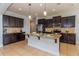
point(1, 32)
point(26, 27)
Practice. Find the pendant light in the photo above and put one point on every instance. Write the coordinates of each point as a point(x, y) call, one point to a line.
point(29, 11)
point(45, 12)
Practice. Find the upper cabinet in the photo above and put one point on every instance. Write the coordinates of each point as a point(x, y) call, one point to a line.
point(20, 22)
point(46, 22)
point(68, 22)
point(57, 19)
point(6, 20)
point(41, 21)
point(9, 21)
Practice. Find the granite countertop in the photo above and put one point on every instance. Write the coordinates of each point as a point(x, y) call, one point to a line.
point(14, 33)
point(54, 36)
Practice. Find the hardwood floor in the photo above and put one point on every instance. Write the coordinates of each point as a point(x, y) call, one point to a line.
point(69, 49)
point(21, 49)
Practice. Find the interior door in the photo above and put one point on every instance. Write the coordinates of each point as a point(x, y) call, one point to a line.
point(32, 26)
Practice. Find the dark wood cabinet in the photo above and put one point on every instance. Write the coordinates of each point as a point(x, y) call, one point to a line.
point(13, 37)
point(20, 36)
point(41, 21)
point(20, 22)
point(72, 38)
point(16, 22)
point(6, 39)
point(9, 21)
point(68, 22)
point(68, 38)
point(49, 23)
point(71, 21)
point(64, 38)
point(57, 19)
point(6, 21)
point(9, 38)
point(46, 22)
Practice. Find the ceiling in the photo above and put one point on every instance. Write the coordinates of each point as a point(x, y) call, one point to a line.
point(37, 8)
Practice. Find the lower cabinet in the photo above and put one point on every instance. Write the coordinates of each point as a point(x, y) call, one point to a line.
point(68, 38)
point(20, 37)
point(11, 38)
point(6, 39)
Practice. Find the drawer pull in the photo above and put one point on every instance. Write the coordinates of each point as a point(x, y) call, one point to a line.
point(38, 37)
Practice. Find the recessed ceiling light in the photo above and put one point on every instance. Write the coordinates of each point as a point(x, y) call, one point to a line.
point(20, 9)
point(58, 3)
point(29, 16)
point(72, 4)
point(41, 4)
point(53, 9)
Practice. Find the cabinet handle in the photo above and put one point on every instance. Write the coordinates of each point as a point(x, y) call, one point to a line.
point(55, 40)
point(28, 35)
point(38, 37)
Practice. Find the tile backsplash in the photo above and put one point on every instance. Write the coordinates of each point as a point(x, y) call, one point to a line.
point(13, 30)
point(63, 30)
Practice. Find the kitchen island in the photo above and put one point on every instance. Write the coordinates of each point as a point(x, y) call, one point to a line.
point(45, 42)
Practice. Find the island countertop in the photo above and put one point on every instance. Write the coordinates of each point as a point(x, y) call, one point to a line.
point(54, 35)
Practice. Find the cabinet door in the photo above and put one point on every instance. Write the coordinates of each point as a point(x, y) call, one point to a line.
point(64, 38)
point(6, 20)
point(12, 38)
point(68, 38)
point(22, 37)
point(71, 39)
point(71, 21)
point(12, 21)
point(57, 19)
point(20, 22)
point(41, 21)
point(64, 22)
point(6, 39)
point(68, 22)
point(16, 22)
